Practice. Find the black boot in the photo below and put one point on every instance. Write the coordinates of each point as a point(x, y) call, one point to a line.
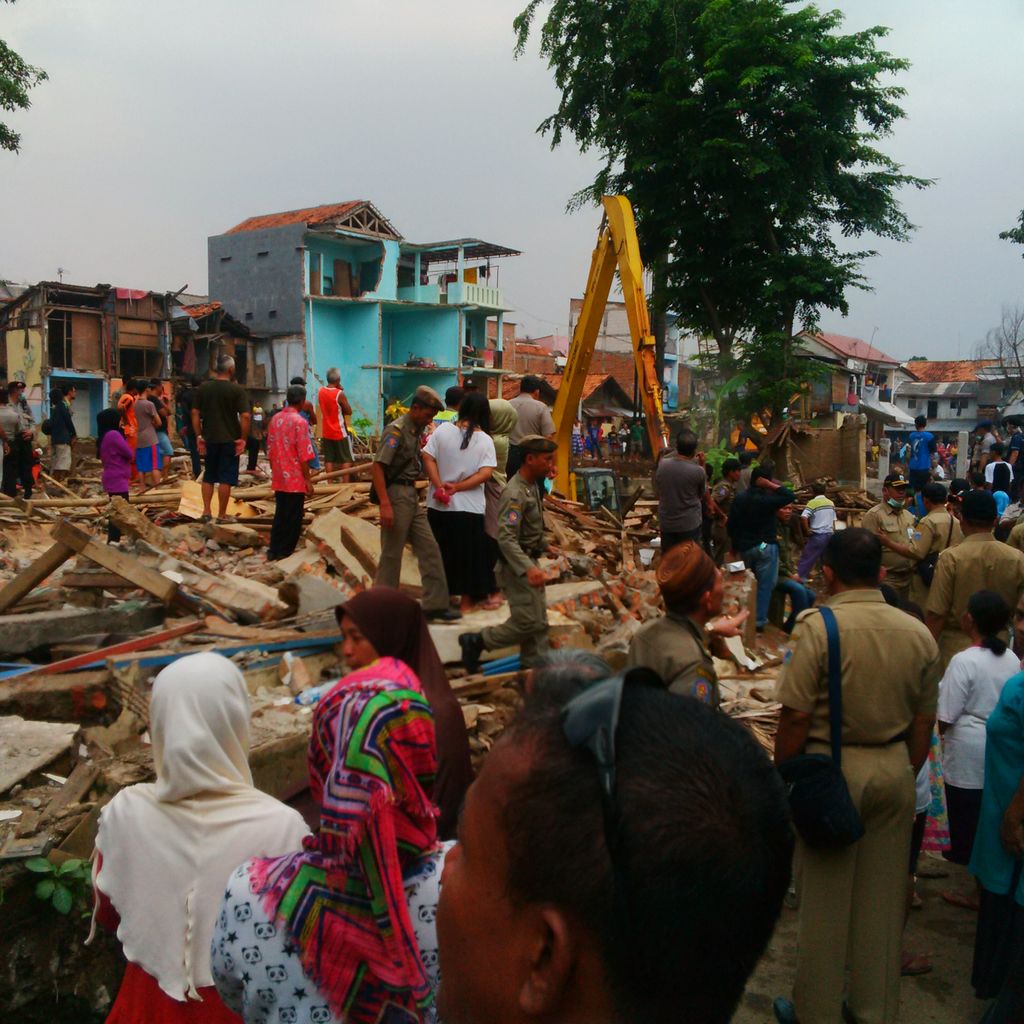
point(472, 645)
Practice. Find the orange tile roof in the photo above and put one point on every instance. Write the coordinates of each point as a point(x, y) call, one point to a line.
point(948, 371)
point(310, 215)
point(202, 309)
point(853, 348)
point(591, 382)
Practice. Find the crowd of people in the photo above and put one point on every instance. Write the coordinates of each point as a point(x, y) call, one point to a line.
point(930, 586)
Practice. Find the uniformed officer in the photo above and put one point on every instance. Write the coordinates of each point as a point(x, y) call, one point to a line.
point(674, 646)
point(723, 494)
point(980, 562)
point(892, 518)
point(934, 532)
point(520, 544)
point(396, 467)
point(852, 900)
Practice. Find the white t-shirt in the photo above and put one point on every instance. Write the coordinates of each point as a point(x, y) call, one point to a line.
point(990, 470)
point(821, 513)
point(968, 693)
point(455, 463)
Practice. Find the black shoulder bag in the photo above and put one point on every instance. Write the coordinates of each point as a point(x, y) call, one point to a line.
point(925, 568)
point(819, 799)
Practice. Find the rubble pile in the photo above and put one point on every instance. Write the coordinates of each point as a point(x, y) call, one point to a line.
point(85, 626)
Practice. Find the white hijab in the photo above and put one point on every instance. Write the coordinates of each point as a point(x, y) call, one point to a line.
point(169, 847)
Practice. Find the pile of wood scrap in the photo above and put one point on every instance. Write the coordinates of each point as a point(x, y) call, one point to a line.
point(844, 498)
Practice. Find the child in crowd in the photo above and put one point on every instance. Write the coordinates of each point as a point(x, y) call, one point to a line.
point(117, 457)
point(819, 522)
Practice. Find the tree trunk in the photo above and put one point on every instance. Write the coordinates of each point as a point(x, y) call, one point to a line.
point(659, 324)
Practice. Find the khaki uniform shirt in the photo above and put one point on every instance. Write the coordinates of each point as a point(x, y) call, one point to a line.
point(1016, 538)
point(890, 669)
point(723, 494)
point(674, 647)
point(937, 531)
point(520, 525)
point(399, 452)
point(979, 562)
point(899, 525)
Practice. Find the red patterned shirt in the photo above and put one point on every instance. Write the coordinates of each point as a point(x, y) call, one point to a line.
point(288, 446)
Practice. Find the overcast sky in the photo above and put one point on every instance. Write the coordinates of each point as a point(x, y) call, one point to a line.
point(164, 123)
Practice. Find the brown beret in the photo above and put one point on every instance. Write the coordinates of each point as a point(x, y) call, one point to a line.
point(685, 572)
point(428, 397)
point(537, 444)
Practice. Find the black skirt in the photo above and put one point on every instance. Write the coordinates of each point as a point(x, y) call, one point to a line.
point(964, 806)
point(467, 552)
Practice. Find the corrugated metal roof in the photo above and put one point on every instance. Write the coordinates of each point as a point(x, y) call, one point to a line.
point(944, 389)
point(202, 309)
point(311, 215)
point(948, 370)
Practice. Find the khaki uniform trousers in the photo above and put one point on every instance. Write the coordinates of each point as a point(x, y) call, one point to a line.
point(852, 901)
point(411, 527)
point(901, 585)
point(720, 539)
point(527, 623)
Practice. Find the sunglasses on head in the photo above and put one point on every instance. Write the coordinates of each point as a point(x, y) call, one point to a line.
point(589, 722)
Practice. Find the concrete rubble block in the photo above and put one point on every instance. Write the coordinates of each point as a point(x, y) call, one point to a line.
point(361, 540)
point(27, 631)
point(27, 747)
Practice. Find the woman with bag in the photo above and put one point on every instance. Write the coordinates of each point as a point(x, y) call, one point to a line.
point(837, 704)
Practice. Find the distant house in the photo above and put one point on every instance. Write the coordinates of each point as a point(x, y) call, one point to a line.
point(859, 379)
point(338, 285)
point(601, 395)
point(956, 393)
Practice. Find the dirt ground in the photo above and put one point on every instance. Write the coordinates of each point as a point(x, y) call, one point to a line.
point(945, 933)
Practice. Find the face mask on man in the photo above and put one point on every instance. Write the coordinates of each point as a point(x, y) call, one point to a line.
point(895, 502)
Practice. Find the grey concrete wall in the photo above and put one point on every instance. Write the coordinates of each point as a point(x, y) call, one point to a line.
point(252, 286)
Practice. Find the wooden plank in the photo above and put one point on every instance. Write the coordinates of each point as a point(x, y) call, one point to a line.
point(139, 643)
point(78, 785)
point(30, 578)
point(116, 561)
point(94, 580)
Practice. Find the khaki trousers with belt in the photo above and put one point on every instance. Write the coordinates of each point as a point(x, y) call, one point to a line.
point(527, 623)
point(411, 527)
point(852, 901)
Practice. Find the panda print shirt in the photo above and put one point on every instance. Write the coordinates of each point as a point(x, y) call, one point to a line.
point(257, 969)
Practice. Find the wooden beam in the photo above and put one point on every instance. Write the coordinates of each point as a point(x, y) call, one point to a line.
point(28, 579)
point(124, 565)
point(89, 698)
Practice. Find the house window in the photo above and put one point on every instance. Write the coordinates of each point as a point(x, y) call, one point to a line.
point(261, 254)
point(58, 333)
point(911, 403)
point(933, 408)
point(272, 314)
point(958, 406)
point(225, 259)
point(248, 316)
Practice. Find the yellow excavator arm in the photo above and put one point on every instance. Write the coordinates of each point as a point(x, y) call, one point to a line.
point(617, 247)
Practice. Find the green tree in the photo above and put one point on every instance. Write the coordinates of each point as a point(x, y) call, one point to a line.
point(1015, 234)
point(16, 78)
point(746, 134)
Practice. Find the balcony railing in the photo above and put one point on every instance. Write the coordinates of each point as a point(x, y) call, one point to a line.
point(462, 293)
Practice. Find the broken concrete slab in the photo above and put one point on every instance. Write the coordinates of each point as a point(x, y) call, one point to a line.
point(562, 632)
point(26, 631)
point(90, 698)
point(306, 591)
point(356, 539)
point(27, 747)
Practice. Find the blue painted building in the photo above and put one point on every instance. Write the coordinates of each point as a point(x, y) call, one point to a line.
point(338, 286)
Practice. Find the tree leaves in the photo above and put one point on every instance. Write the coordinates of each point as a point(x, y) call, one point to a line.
point(745, 133)
point(16, 79)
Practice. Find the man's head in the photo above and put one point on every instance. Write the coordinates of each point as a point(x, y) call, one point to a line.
point(689, 582)
point(746, 458)
point(453, 397)
point(894, 490)
point(978, 481)
point(537, 922)
point(529, 385)
point(15, 389)
point(784, 514)
point(300, 380)
point(564, 672)
point(978, 512)
point(296, 395)
point(686, 443)
point(225, 367)
point(426, 404)
point(819, 487)
point(539, 457)
point(933, 495)
point(996, 451)
point(920, 422)
point(70, 391)
point(731, 469)
point(852, 560)
point(334, 376)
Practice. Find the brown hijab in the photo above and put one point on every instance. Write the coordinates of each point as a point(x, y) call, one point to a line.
point(394, 623)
